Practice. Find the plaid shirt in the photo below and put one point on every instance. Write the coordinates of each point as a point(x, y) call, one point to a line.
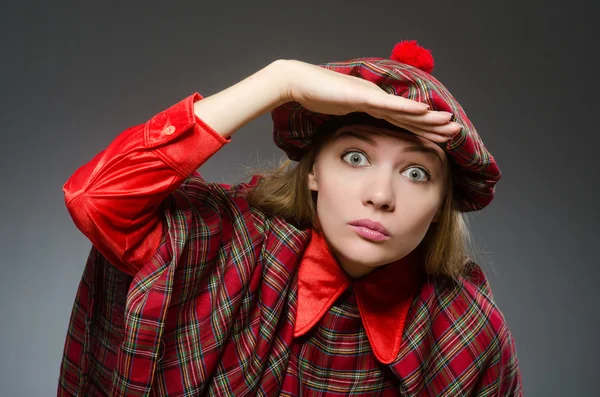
point(190, 291)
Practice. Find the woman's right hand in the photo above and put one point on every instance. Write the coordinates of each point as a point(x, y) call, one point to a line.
point(320, 90)
point(325, 91)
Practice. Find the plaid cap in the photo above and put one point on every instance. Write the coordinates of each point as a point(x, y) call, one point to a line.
point(406, 74)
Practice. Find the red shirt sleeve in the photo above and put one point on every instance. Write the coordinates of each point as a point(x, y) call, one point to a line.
point(114, 199)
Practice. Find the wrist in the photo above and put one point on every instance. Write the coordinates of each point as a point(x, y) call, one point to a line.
point(279, 73)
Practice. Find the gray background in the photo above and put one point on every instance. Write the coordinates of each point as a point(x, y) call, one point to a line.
point(74, 75)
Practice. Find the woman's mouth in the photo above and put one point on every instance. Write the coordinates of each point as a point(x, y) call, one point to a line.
point(370, 230)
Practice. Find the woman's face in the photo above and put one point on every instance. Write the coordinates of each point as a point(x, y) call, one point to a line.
point(374, 178)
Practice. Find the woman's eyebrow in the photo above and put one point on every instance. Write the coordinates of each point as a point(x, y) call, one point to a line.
point(354, 134)
point(426, 150)
point(369, 140)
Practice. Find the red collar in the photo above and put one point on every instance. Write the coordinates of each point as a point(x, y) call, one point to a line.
point(384, 296)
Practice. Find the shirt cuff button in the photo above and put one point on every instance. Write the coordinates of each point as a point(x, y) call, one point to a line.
point(169, 130)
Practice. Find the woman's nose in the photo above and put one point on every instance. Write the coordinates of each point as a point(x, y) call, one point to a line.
point(379, 193)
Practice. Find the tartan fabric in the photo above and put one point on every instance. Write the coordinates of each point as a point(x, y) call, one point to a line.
point(475, 170)
point(212, 310)
point(384, 296)
point(221, 323)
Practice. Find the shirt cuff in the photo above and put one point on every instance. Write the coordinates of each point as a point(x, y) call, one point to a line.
point(182, 139)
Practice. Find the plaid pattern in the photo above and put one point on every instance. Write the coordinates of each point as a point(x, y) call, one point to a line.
point(475, 170)
point(212, 312)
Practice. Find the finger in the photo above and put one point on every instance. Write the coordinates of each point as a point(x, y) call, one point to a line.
point(379, 99)
point(435, 117)
point(431, 117)
point(450, 128)
point(433, 136)
point(446, 129)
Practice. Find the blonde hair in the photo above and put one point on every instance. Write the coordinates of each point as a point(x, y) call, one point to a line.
point(284, 192)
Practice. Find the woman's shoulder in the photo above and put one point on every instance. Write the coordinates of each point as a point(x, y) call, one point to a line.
point(459, 321)
point(197, 192)
point(231, 206)
point(468, 299)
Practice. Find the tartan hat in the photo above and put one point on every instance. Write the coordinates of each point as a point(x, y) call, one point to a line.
point(406, 73)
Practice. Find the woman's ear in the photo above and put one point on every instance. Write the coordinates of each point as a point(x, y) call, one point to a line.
point(312, 180)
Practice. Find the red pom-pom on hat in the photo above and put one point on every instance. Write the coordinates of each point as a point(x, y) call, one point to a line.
point(409, 52)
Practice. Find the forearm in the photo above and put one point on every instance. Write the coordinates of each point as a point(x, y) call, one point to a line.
point(230, 109)
point(114, 198)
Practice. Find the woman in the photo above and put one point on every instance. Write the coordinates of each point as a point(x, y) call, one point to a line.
point(344, 275)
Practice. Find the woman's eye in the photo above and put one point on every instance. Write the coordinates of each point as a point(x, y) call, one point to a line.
point(417, 174)
point(356, 159)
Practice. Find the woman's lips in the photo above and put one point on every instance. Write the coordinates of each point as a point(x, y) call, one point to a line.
point(370, 230)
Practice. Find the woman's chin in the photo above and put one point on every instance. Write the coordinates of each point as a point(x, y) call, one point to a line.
point(378, 252)
point(366, 253)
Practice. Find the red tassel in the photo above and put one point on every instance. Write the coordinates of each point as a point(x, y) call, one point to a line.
point(409, 52)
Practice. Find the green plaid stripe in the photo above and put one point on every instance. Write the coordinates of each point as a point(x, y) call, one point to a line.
point(214, 313)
